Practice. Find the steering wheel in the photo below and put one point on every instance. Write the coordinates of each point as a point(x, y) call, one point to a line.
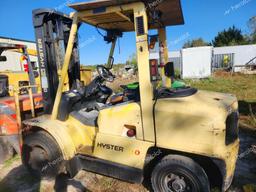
point(105, 73)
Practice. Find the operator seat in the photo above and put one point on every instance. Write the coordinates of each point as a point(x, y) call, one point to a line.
point(87, 117)
point(131, 92)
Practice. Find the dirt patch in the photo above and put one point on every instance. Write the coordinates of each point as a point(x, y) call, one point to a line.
point(17, 179)
point(222, 73)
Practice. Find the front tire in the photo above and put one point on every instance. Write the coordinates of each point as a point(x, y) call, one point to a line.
point(177, 173)
point(41, 155)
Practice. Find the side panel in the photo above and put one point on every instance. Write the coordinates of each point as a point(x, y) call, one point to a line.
point(112, 120)
point(125, 151)
point(112, 143)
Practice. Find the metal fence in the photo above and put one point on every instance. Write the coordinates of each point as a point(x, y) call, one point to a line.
point(219, 61)
point(223, 61)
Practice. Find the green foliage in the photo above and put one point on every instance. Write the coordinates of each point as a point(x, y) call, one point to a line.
point(177, 74)
point(9, 162)
point(251, 38)
point(232, 36)
point(91, 67)
point(116, 67)
point(254, 38)
point(196, 43)
point(243, 86)
point(252, 25)
point(132, 60)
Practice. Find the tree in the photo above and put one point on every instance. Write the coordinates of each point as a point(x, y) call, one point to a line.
point(132, 60)
point(232, 36)
point(252, 27)
point(195, 43)
point(252, 24)
point(254, 38)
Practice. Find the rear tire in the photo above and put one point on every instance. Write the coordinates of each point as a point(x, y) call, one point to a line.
point(176, 173)
point(41, 155)
point(6, 150)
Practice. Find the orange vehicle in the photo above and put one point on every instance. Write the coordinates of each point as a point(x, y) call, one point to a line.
point(17, 107)
point(9, 122)
point(9, 127)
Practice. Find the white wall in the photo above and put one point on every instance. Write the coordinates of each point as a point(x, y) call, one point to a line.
point(242, 55)
point(13, 58)
point(196, 62)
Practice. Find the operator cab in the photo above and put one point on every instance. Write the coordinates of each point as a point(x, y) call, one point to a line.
point(85, 102)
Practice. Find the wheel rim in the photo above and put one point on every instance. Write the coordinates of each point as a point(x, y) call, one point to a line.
point(38, 159)
point(178, 182)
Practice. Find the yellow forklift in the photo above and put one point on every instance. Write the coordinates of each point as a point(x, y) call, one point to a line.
point(12, 83)
point(27, 75)
point(175, 138)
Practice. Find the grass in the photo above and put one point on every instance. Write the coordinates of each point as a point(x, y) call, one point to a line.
point(9, 162)
point(249, 188)
point(243, 86)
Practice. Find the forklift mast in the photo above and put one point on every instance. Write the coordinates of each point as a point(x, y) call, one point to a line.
point(52, 31)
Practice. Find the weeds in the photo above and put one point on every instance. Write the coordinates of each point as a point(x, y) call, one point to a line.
point(252, 116)
point(9, 162)
point(242, 86)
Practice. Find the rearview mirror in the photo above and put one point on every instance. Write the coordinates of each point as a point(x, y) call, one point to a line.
point(169, 70)
point(3, 58)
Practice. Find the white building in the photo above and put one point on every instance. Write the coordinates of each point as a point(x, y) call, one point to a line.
point(199, 62)
point(196, 62)
point(13, 58)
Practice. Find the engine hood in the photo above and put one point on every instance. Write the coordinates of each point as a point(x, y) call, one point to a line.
point(204, 108)
point(196, 123)
point(215, 99)
point(204, 101)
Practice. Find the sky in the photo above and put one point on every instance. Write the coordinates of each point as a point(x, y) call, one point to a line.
point(202, 19)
